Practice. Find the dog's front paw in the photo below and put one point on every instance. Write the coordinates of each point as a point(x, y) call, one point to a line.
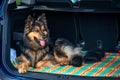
point(23, 67)
point(22, 70)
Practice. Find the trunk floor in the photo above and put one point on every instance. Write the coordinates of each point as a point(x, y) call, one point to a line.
point(108, 67)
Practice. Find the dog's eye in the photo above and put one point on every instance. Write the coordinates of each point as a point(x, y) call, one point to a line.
point(37, 30)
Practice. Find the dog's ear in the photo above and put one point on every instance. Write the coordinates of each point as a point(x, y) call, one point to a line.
point(42, 18)
point(28, 24)
point(29, 20)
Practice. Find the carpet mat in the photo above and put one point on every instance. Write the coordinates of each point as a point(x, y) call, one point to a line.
point(109, 66)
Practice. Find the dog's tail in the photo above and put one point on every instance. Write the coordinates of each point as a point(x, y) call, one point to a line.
point(76, 58)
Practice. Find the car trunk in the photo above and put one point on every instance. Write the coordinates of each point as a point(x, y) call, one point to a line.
point(95, 26)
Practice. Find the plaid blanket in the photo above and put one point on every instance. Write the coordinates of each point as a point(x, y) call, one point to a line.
point(109, 66)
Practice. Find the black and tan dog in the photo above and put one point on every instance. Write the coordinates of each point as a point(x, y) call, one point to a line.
point(66, 53)
point(34, 46)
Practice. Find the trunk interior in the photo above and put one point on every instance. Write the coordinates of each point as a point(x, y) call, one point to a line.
point(97, 30)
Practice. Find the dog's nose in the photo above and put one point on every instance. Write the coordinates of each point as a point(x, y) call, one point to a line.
point(44, 37)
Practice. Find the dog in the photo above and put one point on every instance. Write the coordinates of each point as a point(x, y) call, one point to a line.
point(35, 44)
point(66, 53)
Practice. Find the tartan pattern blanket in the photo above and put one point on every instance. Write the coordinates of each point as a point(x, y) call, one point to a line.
point(109, 66)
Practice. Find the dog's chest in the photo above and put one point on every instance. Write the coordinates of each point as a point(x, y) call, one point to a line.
point(38, 55)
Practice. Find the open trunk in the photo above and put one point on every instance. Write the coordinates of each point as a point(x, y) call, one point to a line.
point(95, 26)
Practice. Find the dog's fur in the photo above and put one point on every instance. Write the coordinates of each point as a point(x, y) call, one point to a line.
point(66, 53)
point(34, 46)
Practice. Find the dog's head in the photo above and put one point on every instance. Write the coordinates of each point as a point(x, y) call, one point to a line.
point(61, 43)
point(36, 31)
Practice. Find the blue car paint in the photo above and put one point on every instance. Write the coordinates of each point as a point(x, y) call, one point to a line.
point(1, 5)
point(4, 75)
